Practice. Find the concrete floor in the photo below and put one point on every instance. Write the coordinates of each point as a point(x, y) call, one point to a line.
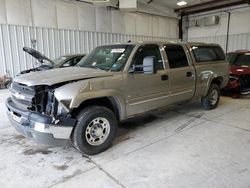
point(182, 146)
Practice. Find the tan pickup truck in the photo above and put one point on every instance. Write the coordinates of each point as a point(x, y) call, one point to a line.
point(82, 105)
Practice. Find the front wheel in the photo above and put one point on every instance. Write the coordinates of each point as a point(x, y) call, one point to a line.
point(95, 130)
point(211, 100)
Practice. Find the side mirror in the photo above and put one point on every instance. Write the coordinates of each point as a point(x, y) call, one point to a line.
point(149, 66)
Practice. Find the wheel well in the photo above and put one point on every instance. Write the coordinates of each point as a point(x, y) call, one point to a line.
point(217, 81)
point(108, 102)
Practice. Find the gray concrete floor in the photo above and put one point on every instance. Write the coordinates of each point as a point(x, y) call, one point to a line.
point(182, 146)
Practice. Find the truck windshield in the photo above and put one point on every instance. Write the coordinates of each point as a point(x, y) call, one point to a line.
point(109, 58)
point(239, 59)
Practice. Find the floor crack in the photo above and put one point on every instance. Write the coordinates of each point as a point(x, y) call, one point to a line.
point(101, 169)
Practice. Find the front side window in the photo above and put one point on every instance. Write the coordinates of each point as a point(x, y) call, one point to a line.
point(148, 50)
point(59, 60)
point(70, 62)
point(176, 56)
point(109, 58)
point(208, 53)
point(75, 60)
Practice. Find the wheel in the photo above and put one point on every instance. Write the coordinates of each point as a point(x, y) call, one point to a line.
point(95, 130)
point(211, 100)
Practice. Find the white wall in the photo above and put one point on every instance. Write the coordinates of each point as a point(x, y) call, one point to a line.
point(81, 16)
point(72, 27)
point(239, 32)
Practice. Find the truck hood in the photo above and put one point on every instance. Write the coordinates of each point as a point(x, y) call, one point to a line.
point(40, 57)
point(55, 76)
point(239, 70)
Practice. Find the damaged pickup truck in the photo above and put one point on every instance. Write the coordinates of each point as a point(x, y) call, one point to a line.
point(82, 105)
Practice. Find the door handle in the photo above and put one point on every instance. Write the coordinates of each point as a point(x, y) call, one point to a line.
point(189, 74)
point(164, 77)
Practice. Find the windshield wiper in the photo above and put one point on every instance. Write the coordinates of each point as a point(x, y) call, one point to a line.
point(94, 67)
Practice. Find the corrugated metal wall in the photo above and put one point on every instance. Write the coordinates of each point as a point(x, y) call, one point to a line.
point(52, 43)
point(235, 42)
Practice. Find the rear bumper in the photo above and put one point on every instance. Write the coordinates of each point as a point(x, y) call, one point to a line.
point(41, 128)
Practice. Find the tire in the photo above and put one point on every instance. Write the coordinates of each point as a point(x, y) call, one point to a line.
point(211, 100)
point(95, 130)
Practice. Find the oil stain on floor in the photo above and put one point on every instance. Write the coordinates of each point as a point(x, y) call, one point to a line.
point(43, 151)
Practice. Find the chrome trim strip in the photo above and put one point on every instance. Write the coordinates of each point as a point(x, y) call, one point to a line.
point(149, 100)
point(58, 132)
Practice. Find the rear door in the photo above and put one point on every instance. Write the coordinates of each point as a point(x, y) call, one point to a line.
point(181, 72)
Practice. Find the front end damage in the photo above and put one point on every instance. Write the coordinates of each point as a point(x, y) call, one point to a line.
point(35, 112)
point(239, 81)
point(42, 104)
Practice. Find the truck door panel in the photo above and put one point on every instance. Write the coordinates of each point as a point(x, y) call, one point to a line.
point(147, 91)
point(181, 73)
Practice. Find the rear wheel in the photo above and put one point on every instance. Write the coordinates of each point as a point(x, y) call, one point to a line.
point(211, 100)
point(95, 130)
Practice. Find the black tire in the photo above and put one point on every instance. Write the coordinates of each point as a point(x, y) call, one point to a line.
point(208, 102)
point(81, 138)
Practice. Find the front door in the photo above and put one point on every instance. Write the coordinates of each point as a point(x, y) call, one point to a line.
point(147, 91)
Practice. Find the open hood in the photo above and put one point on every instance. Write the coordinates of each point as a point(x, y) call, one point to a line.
point(40, 57)
point(55, 76)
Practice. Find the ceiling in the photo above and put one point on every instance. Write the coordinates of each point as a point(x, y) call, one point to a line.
point(173, 3)
point(167, 3)
point(170, 7)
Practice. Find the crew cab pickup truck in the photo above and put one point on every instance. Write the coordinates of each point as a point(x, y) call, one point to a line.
point(82, 105)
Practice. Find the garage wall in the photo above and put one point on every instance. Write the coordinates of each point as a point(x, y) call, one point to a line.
point(239, 32)
point(61, 27)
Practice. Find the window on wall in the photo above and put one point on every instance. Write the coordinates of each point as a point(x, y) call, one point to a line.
point(176, 56)
point(149, 50)
point(208, 53)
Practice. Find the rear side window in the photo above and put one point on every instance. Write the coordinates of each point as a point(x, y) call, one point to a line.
point(208, 53)
point(176, 56)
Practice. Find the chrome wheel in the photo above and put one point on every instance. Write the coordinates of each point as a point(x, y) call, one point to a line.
point(97, 131)
point(214, 97)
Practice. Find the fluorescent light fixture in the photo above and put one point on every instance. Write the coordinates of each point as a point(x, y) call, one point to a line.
point(181, 3)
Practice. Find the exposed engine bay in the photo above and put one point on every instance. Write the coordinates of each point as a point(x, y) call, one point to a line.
point(37, 99)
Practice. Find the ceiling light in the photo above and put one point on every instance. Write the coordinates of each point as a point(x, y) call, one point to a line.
point(181, 3)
